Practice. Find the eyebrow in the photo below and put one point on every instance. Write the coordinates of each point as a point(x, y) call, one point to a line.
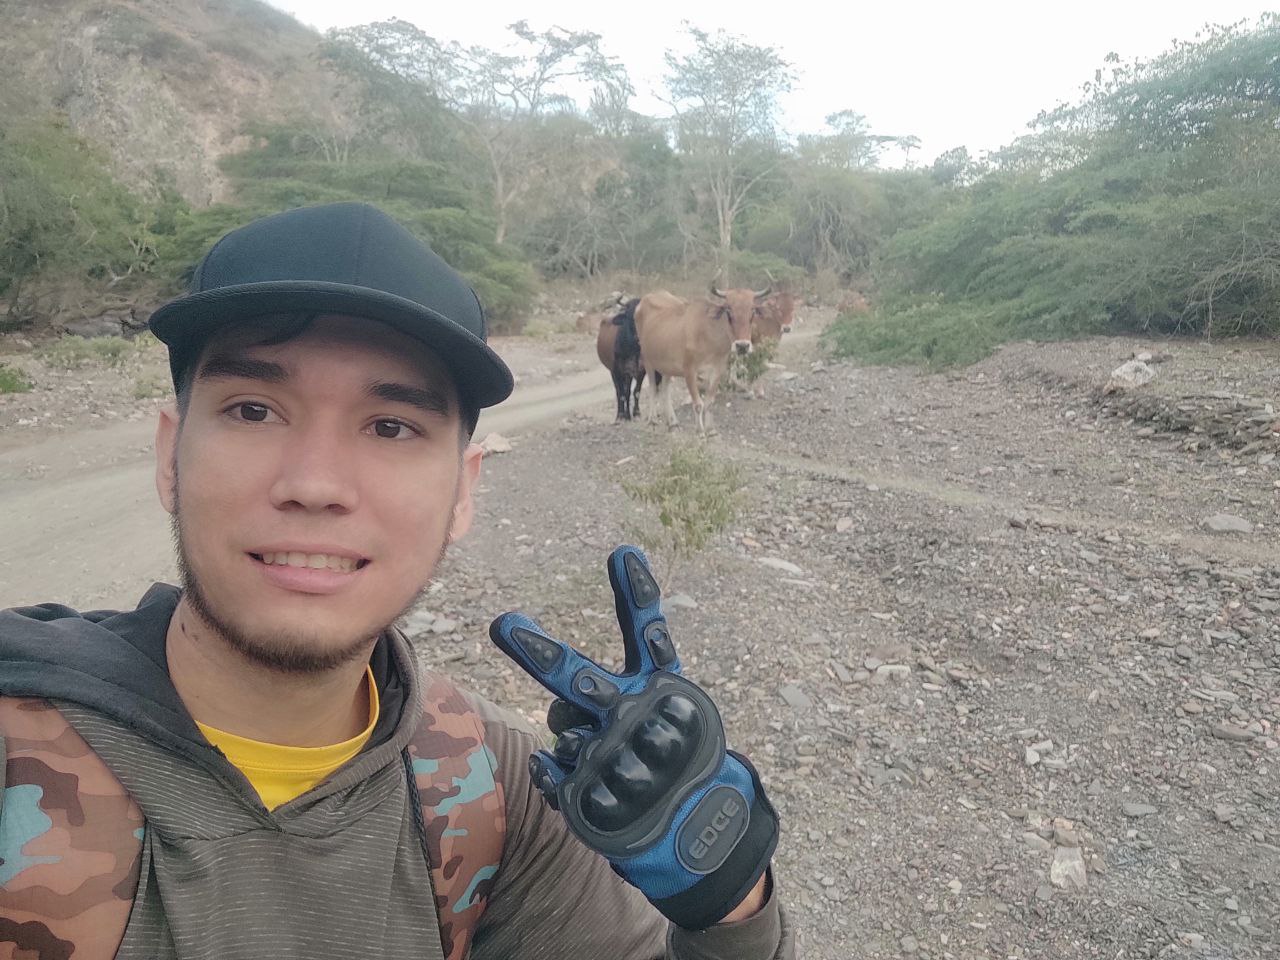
point(225, 366)
point(424, 398)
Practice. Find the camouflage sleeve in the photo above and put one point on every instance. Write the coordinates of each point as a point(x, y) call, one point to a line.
point(555, 898)
point(70, 841)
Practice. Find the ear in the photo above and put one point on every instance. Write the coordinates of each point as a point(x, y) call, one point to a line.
point(167, 428)
point(464, 505)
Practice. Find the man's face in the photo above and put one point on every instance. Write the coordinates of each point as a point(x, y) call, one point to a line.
point(315, 484)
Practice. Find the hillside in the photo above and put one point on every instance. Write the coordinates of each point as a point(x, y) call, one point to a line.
point(166, 87)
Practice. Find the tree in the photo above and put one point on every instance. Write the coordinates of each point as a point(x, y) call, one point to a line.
point(906, 145)
point(849, 144)
point(63, 217)
point(725, 97)
point(500, 98)
point(955, 168)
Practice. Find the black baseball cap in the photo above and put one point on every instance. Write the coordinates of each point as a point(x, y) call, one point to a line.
point(345, 258)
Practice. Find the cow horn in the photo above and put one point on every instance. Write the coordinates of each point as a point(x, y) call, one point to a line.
point(715, 291)
point(761, 294)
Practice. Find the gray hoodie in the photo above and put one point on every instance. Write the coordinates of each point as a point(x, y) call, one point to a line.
point(343, 871)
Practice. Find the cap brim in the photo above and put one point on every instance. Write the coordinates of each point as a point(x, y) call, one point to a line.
point(184, 324)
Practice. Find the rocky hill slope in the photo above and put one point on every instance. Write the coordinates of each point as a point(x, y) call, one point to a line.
point(165, 87)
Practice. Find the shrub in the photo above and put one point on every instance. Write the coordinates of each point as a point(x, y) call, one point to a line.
point(72, 353)
point(13, 380)
point(694, 496)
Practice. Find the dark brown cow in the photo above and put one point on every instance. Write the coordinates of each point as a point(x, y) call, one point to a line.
point(618, 348)
point(683, 338)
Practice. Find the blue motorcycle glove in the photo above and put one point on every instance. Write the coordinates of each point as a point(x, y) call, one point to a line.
point(640, 770)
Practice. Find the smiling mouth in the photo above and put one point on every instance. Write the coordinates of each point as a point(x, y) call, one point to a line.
point(312, 561)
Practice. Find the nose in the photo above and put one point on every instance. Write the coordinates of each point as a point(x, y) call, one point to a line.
point(786, 328)
point(742, 346)
point(316, 472)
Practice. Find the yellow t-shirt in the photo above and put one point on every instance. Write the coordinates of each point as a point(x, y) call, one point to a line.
point(279, 773)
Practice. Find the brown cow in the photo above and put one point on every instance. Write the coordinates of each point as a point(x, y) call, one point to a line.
point(619, 350)
point(775, 317)
point(680, 338)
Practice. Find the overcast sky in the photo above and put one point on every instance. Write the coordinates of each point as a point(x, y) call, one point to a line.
point(952, 74)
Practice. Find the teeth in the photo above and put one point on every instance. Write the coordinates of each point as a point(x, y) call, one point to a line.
point(313, 561)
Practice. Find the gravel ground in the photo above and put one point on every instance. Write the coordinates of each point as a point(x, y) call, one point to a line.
point(1011, 695)
point(1004, 648)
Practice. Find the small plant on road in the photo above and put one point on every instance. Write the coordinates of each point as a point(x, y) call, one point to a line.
point(13, 381)
point(751, 367)
point(695, 497)
point(151, 386)
point(72, 353)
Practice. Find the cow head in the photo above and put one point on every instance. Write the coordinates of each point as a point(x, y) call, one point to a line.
point(740, 308)
point(776, 316)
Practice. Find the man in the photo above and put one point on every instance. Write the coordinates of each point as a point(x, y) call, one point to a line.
point(251, 766)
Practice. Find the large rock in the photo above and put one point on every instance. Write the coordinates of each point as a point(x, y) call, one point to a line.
point(795, 698)
point(786, 566)
point(1227, 523)
point(1230, 732)
point(1067, 869)
point(495, 443)
point(1129, 376)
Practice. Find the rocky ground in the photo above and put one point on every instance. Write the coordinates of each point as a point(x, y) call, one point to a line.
point(1004, 649)
point(1010, 692)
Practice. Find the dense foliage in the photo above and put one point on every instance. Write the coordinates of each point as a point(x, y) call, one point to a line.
point(1152, 204)
point(1149, 204)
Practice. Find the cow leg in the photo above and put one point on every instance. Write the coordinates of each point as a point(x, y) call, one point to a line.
point(620, 390)
point(713, 381)
point(624, 397)
point(665, 389)
point(635, 398)
point(691, 378)
point(656, 378)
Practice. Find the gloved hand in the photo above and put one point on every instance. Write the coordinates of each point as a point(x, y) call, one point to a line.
point(640, 770)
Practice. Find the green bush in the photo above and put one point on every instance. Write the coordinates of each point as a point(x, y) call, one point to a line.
point(72, 353)
point(151, 386)
point(759, 270)
point(694, 495)
point(751, 367)
point(13, 381)
point(1152, 205)
point(64, 218)
point(930, 333)
point(284, 171)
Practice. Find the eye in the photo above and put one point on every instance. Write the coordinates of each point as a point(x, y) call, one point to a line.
point(394, 430)
point(249, 412)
